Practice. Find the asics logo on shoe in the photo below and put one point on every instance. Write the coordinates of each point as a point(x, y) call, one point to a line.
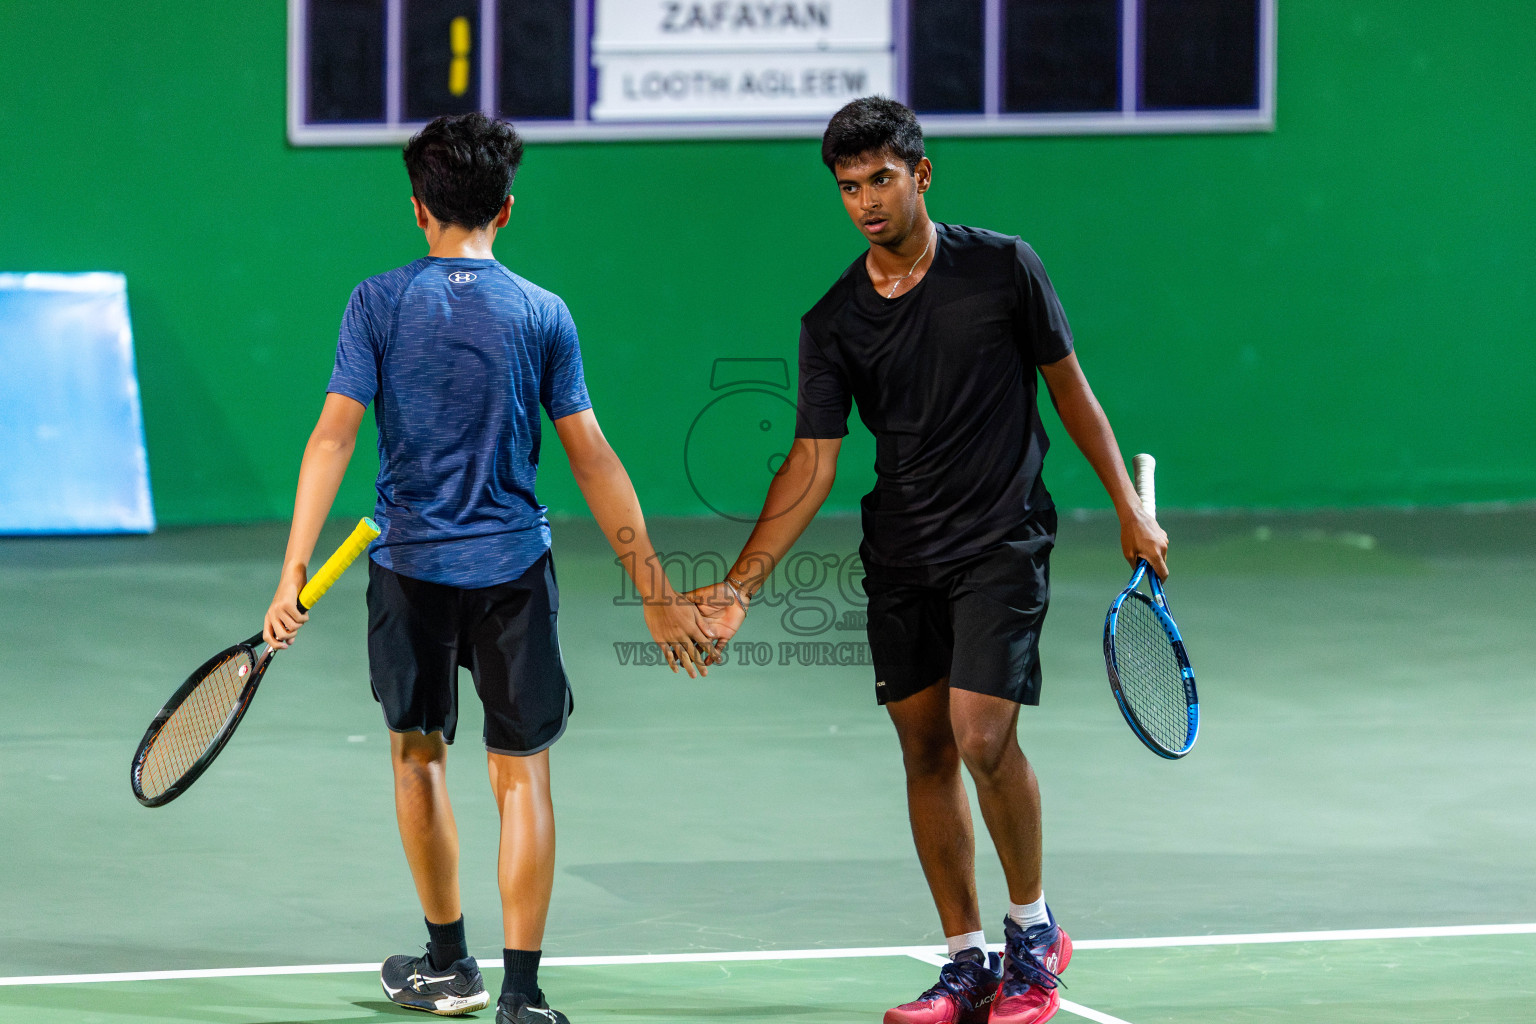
point(549, 1014)
point(462, 1002)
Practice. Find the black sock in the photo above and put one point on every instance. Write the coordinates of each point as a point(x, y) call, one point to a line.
point(521, 980)
point(446, 944)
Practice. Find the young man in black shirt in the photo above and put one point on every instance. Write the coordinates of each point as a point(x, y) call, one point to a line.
point(936, 332)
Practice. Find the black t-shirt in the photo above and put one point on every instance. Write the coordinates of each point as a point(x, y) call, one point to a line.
point(944, 377)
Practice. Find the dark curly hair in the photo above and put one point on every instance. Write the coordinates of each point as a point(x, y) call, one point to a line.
point(461, 167)
point(872, 124)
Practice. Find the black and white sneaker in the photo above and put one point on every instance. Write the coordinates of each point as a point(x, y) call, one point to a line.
point(410, 981)
point(515, 1011)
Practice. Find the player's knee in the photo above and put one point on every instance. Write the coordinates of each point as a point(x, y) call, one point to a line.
point(413, 751)
point(986, 748)
point(931, 758)
point(518, 770)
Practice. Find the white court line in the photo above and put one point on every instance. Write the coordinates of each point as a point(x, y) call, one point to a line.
point(928, 954)
point(1095, 1015)
point(761, 954)
point(1346, 935)
point(551, 961)
point(213, 972)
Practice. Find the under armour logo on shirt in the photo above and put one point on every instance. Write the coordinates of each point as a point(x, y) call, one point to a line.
point(461, 277)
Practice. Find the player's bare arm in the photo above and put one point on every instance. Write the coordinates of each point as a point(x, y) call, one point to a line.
point(1081, 414)
point(325, 462)
point(675, 624)
point(794, 497)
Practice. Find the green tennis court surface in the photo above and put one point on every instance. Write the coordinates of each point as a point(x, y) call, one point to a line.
point(1365, 763)
point(1476, 977)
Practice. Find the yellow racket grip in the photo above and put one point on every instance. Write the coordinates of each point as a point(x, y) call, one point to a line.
point(337, 564)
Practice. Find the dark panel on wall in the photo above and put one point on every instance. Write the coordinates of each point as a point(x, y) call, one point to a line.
point(944, 50)
point(537, 54)
point(1061, 55)
point(442, 58)
point(346, 60)
point(1200, 53)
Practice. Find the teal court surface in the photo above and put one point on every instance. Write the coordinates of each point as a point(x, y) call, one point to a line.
point(1351, 840)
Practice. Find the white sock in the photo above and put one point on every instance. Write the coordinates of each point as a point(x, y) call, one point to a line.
point(969, 940)
point(1028, 915)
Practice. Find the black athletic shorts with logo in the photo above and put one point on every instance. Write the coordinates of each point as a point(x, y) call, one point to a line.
point(975, 619)
point(420, 633)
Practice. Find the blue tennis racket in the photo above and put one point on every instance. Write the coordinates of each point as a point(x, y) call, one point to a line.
point(1149, 672)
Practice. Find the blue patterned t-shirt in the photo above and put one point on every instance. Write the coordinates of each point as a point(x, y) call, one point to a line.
point(457, 356)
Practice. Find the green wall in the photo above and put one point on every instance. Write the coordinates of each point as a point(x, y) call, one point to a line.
point(1336, 313)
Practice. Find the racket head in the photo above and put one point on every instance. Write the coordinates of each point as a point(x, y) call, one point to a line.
point(193, 726)
point(1149, 671)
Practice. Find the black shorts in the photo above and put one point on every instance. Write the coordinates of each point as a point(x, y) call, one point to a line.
point(975, 620)
point(420, 633)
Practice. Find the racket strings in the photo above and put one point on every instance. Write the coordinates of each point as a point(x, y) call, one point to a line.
point(194, 725)
point(1151, 676)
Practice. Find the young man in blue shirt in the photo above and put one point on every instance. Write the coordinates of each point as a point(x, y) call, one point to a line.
point(937, 332)
point(458, 354)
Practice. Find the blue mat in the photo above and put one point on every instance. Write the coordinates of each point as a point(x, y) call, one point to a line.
point(71, 431)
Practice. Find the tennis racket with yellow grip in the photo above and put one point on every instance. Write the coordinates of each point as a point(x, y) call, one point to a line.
point(201, 716)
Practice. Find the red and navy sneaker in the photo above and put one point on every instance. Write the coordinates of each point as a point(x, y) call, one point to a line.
point(1032, 964)
point(965, 990)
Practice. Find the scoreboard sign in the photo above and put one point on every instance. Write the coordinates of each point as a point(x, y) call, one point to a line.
point(675, 61)
point(372, 71)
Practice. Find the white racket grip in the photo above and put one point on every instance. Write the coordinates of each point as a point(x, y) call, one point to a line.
point(1144, 466)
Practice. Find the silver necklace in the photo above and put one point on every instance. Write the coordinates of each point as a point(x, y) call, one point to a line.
point(909, 273)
